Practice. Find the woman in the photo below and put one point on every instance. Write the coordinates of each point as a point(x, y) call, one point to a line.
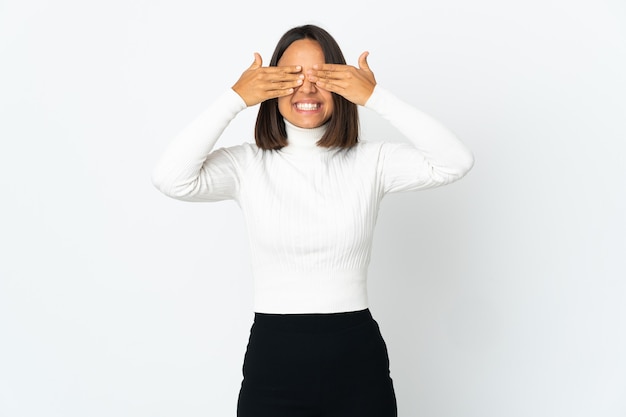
point(310, 191)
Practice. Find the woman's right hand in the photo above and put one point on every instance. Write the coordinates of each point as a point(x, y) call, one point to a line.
point(259, 83)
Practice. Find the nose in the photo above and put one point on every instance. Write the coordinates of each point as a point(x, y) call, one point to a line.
point(307, 86)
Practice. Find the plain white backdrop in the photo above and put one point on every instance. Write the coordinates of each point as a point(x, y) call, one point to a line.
point(500, 295)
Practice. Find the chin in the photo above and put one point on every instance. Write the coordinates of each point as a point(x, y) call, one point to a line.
point(307, 124)
point(311, 125)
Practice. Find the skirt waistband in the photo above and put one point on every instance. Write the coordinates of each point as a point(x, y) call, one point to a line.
point(312, 323)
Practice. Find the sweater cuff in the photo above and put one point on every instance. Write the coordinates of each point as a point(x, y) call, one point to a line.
point(233, 100)
point(377, 98)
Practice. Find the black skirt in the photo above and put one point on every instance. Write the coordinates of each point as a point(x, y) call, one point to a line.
point(316, 365)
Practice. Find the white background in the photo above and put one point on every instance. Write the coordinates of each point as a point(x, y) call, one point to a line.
point(501, 295)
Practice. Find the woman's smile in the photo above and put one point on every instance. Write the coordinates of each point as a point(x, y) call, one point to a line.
point(309, 106)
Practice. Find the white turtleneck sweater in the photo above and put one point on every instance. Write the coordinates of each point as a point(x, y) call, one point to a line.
point(310, 211)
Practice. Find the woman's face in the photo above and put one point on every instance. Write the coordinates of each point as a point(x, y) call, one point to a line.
point(309, 106)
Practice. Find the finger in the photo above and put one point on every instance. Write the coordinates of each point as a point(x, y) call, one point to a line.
point(328, 75)
point(284, 85)
point(279, 79)
point(336, 86)
point(292, 69)
point(269, 94)
point(363, 61)
point(283, 92)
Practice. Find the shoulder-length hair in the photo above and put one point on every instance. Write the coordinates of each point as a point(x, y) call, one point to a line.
point(343, 125)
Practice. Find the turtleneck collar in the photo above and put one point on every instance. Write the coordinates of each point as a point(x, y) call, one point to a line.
point(304, 141)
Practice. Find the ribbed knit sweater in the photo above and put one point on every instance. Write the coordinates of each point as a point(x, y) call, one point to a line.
point(310, 211)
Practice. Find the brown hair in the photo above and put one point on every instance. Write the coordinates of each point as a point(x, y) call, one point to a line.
point(343, 126)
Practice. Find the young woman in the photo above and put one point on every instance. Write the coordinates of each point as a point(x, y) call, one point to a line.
point(310, 192)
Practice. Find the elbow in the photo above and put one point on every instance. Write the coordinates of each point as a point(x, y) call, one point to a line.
point(168, 185)
point(466, 163)
point(159, 181)
point(459, 169)
point(180, 187)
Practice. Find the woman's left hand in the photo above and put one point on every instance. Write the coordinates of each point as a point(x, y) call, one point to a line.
point(354, 84)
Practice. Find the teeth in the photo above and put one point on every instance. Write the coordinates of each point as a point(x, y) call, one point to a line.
point(307, 106)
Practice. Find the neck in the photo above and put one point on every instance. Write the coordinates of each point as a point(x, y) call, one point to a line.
point(302, 140)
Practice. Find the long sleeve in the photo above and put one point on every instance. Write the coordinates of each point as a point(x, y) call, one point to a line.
point(190, 169)
point(433, 157)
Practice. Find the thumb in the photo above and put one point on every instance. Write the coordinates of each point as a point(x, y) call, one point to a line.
point(363, 61)
point(258, 61)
